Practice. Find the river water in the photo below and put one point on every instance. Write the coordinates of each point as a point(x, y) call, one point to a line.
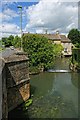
point(55, 95)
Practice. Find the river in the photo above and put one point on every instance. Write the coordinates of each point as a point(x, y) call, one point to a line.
point(54, 94)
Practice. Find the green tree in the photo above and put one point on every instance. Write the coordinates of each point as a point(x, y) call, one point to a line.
point(58, 48)
point(39, 50)
point(74, 36)
point(4, 40)
point(8, 41)
point(16, 41)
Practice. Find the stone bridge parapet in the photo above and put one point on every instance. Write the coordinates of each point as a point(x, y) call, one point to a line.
point(15, 81)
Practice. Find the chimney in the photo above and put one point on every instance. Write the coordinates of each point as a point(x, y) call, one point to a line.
point(57, 32)
point(46, 31)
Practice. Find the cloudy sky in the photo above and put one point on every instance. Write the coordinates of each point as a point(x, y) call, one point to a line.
point(38, 16)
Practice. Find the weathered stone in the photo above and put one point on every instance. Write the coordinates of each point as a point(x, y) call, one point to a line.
point(15, 82)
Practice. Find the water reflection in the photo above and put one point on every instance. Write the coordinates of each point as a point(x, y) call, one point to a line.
point(56, 94)
point(42, 83)
point(75, 78)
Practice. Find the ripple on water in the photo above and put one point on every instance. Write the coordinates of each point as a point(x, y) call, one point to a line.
point(52, 107)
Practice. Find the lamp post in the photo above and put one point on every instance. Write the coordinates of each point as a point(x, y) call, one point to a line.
point(20, 7)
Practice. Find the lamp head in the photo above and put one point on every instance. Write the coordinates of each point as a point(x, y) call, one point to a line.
point(19, 7)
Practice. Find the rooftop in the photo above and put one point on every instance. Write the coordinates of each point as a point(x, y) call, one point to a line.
point(56, 36)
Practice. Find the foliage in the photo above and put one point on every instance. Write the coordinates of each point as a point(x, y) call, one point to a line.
point(77, 45)
point(34, 70)
point(1, 49)
point(16, 41)
point(58, 48)
point(11, 41)
point(40, 51)
point(74, 36)
point(1, 45)
point(8, 41)
point(4, 40)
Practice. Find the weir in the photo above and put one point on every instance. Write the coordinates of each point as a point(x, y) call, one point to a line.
point(59, 71)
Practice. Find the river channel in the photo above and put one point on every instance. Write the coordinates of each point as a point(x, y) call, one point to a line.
point(54, 94)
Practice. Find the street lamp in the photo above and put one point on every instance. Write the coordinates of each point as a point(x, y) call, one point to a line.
point(20, 7)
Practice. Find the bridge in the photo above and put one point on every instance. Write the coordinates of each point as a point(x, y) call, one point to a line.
point(14, 80)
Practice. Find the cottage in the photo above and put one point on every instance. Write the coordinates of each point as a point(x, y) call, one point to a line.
point(63, 40)
point(67, 45)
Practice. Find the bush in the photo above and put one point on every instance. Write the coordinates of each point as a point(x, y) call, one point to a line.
point(39, 50)
point(58, 48)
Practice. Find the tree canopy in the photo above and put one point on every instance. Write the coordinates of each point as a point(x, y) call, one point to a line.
point(16, 41)
point(8, 40)
point(74, 36)
point(11, 41)
point(40, 51)
point(57, 48)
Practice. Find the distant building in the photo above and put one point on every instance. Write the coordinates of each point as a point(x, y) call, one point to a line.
point(61, 39)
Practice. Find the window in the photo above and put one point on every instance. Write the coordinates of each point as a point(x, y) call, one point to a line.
point(65, 49)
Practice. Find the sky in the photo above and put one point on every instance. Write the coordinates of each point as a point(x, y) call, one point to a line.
point(38, 16)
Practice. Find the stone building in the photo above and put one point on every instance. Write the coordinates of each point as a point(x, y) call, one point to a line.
point(63, 40)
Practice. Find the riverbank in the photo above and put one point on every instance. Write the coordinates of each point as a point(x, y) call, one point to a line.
point(35, 70)
point(74, 67)
point(75, 60)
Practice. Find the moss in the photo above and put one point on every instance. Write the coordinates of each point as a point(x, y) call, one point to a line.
point(27, 104)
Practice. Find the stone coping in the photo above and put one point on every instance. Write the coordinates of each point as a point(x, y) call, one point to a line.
point(16, 57)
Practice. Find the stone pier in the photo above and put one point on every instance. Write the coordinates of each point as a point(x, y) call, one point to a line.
point(15, 81)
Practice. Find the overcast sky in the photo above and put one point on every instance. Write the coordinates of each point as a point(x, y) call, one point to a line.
point(38, 16)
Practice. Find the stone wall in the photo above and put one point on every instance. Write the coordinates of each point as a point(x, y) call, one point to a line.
point(75, 62)
point(15, 82)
